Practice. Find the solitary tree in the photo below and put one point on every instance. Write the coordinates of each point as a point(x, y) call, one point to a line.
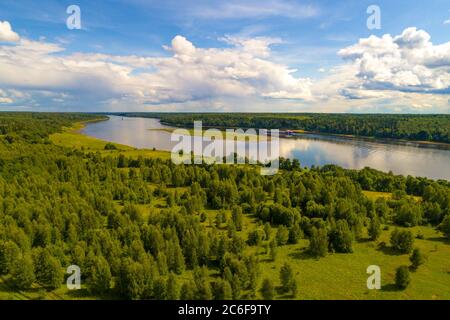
point(110, 146)
point(417, 258)
point(287, 278)
point(267, 289)
point(341, 237)
point(273, 250)
point(402, 277)
point(402, 241)
point(374, 228)
point(267, 230)
point(318, 242)
point(237, 217)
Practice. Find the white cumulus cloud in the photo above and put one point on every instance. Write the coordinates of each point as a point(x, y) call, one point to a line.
point(6, 33)
point(243, 70)
point(405, 72)
point(408, 62)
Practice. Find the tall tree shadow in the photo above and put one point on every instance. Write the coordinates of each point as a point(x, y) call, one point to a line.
point(388, 250)
point(301, 254)
point(391, 287)
point(439, 239)
point(282, 295)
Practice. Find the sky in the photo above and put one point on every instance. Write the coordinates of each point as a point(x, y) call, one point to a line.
point(226, 56)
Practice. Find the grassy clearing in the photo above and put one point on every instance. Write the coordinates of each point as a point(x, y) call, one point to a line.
point(374, 195)
point(8, 292)
point(343, 276)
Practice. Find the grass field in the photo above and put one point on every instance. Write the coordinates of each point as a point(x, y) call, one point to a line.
point(343, 276)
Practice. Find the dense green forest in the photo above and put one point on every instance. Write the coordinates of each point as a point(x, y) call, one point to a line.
point(411, 127)
point(144, 228)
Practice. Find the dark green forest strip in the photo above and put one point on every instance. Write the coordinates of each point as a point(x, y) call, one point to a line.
point(423, 128)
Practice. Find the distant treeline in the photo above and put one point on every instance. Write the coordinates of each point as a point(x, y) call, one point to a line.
point(434, 128)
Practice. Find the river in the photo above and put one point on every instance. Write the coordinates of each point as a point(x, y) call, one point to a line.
point(308, 149)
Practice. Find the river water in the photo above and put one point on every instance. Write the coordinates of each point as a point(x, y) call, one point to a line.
point(308, 149)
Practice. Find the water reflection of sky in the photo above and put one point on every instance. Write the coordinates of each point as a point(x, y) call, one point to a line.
point(314, 150)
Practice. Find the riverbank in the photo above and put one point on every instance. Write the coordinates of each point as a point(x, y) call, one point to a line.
point(71, 137)
point(225, 135)
point(413, 143)
point(300, 133)
point(309, 149)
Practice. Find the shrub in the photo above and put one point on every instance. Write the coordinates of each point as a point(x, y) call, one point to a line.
point(255, 237)
point(267, 290)
point(445, 226)
point(374, 229)
point(318, 242)
point(110, 146)
point(287, 279)
point(417, 258)
point(402, 241)
point(341, 237)
point(408, 215)
point(402, 277)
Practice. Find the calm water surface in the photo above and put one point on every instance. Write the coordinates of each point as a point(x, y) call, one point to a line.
point(309, 149)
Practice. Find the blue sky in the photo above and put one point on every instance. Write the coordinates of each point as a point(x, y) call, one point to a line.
point(299, 41)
